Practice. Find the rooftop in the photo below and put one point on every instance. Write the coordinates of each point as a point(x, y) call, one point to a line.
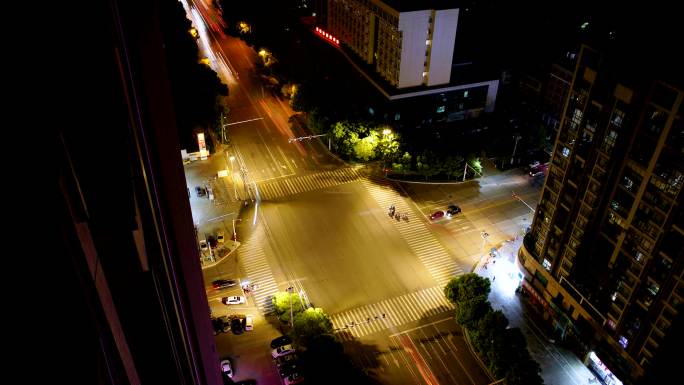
point(413, 5)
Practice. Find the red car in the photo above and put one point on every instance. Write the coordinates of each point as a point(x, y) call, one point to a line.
point(437, 214)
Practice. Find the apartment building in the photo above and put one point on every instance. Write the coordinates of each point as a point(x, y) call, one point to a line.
point(604, 256)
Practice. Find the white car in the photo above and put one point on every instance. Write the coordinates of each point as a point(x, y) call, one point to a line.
point(226, 368)
point(235, 300)
point(249, 322)
point(220, 236)
point(203, 245)
point(282, 351)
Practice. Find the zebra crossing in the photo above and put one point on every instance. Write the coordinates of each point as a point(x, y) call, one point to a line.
point(278, 188)
point(421, 241)
point(369, 319)
point(253, 260)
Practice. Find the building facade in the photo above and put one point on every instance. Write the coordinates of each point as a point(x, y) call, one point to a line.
point(130, 288)
point(604, 253)
point(406, 46)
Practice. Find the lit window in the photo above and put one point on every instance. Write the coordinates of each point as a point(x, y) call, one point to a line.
point(623, 342)
point(566, 152)
point(465, 94)
point(441, 109)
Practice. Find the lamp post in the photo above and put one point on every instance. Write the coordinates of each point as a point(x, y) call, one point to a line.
point(484, 236)
point(289, 290)
point(232, 176)
point(234, 233)
point(385, 133)
point(516, 137)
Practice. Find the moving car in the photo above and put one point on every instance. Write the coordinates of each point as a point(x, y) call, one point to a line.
point(280, 341)
point(282, 351)
point(223, 283)
point(437, 214)
point(220, 236)
point(203, 245)
point(200, 191)
point(234, 300)
point(226, 368)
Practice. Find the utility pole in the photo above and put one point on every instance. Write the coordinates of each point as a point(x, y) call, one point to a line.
point(516, 137)
point(234, 233)
point(289, 290)
point(465, 169)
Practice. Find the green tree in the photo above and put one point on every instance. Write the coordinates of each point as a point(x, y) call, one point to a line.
point(281, 303)
point(309, 324)
point(521, 368)
point(467, 287)
point(364, 149)
point(345, 135)
point(388, 146)
point(475, 165)
point(403, 164)
point(453, 166)
point(427, 164)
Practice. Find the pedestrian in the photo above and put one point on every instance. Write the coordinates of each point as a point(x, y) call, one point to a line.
point(494, 278)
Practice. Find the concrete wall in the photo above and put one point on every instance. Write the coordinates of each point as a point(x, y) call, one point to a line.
point(442, 51)
point(414, 27)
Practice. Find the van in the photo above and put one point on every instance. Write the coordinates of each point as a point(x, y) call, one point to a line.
point(249, 323)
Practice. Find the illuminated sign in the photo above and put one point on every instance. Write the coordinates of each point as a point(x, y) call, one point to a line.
point(202, 146)
point(327, 36)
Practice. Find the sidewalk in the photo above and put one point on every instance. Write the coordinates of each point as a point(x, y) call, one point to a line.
point(559, 366)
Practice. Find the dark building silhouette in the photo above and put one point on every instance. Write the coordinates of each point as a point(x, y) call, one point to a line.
point(604, 254)
point(133, 308)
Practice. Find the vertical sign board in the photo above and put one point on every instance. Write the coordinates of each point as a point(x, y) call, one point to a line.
point(202, 146)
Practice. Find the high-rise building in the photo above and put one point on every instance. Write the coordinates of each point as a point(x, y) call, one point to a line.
point(132, 303)
point(604, 256)
point(408, 43)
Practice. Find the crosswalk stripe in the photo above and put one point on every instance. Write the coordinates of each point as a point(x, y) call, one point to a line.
point(399, 310)
point(299, 184)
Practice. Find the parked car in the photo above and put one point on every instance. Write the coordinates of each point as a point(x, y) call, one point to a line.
point(200, 191)
point(223, 283)
point(453, 210)
point(282, 351)
point(437, 215)
point(280, 341)
point(220, 236)
point(212, 241)
point(284, 360)
point(294, 378)
point(288, 367)
point(203, 245)
point(237, 325)
point(226, 368)
point(234, 300)
point(249, 322)
point(220, 325)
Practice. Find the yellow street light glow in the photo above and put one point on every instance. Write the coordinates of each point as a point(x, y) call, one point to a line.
point(386, 131)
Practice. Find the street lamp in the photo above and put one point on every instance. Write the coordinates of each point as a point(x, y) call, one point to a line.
point(232, 176)
point(234, 233)
point(385, 133)
point(289, 290)
point(484, 236)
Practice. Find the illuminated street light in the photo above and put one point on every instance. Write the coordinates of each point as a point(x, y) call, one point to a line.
point(386, 131)
point(232, 175)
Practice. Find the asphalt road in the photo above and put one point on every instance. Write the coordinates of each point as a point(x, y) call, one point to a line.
point(323, 228)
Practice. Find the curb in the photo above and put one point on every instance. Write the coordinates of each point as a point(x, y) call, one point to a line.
point(210, 265)
point(474, 353)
